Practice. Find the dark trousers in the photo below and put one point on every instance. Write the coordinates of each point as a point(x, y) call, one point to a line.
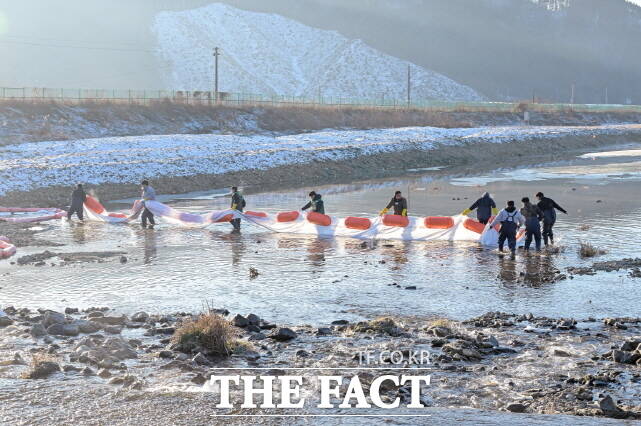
point(77, 210)
point(547, 232)
point(532, 229)
point(510, 236)
point(236, 224)
point(483, 220)
point(147, 216)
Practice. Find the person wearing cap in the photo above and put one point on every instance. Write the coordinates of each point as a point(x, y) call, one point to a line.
point(237, 203)
point(78, 197)
point(399, 203)
point(511, 220)
point(485, 208)
point(316, 203)
point(548, 206)
point(148, 194)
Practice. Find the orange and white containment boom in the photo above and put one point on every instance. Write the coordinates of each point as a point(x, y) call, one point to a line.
point(388, 227)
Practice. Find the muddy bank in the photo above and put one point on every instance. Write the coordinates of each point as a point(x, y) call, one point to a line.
point(26, 234)
point(468, 158)
point(496, 362)
point(41, 121)
point(40, 259)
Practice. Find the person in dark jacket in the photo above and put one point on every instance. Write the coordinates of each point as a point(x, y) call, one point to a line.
point(399, 203)
point(511, 220)
point(237, 203)
point(316, 203)
point(148, 194)
point(78, 197)
point(548, 206)
point(485, 208)
point(533, 215)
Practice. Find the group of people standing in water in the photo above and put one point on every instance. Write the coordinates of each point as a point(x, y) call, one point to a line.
point(510, 218)
point(531, 215)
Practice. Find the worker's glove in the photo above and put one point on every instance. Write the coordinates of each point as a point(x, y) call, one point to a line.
point(495, 211)
point(383, 212)
point(466, 212)
point(404, 212)
point(233, 206)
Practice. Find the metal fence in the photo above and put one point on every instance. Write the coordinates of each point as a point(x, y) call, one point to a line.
point(148, 97)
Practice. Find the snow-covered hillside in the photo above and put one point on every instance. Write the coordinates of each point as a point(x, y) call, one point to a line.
point(272, 55)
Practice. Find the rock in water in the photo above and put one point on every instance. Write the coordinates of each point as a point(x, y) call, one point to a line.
point(5, 321)
point(240, 321)
point(609, 407)
point(38, 330)
point(516, 408)
point(283, 334)
point(140, 317)
point(52, 317)
point(70, 330)
point(253, 319)
point(43, 370)
point(56, 329)
point(88, 327)
point(200, 359)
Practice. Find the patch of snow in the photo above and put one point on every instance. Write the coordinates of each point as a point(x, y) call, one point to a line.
point(272, 55)
point(129, 159)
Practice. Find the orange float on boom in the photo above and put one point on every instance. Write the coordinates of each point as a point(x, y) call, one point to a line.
point(94, 205)
point(287, 216)
point(361, 223)
point(474, 226)
point(255, 214)
point(319, 219)
point(434, 222)
point(226, 218)
point(396, 220)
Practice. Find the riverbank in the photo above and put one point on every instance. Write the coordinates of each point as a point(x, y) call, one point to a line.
point(113, 167)
point(497, 362)
point(25, 121)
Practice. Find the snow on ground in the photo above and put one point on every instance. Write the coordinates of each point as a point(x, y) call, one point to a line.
point(272, 55)
point(129, 159)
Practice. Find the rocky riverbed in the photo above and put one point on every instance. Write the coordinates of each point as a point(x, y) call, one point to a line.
point(497, 361)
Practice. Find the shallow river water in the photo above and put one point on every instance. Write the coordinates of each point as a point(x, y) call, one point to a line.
point(304, 279)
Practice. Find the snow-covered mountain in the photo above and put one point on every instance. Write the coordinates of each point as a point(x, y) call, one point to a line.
point(271, 55)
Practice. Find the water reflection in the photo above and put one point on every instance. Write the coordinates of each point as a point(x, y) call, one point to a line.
point(78, 232)
point(316, 249)
point(150, 245)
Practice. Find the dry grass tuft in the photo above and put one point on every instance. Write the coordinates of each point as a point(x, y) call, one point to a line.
point(588, 250)
point(442, 322)
point(382, 325)
point(210, 332)
point(42, 365)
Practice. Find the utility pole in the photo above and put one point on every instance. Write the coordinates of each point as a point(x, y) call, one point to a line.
point(216, 55)
point(572, 95)
point(409, 86)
